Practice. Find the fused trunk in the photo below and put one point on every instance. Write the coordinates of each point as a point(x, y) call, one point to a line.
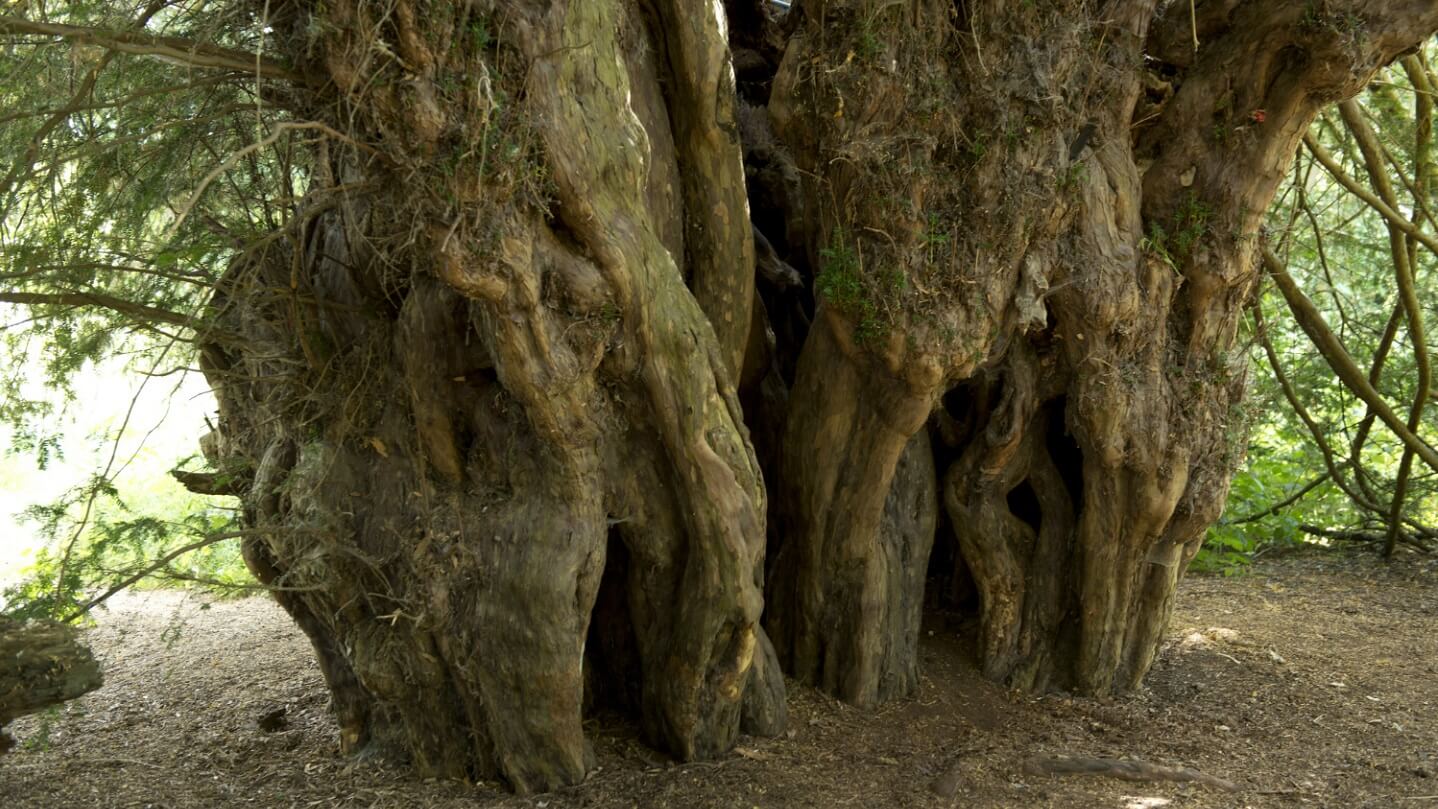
point(1039, 220)
point(864, 482)
point(485, 409)
point(473, 396)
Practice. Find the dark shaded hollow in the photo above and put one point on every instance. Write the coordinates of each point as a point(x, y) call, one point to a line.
point(612, 665)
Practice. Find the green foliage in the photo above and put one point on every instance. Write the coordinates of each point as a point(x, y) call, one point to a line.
point(94, 538)
point(479, 36)
point(1230, 546)
point(1156, 243)
point(114, 228)
point(1337, 249)
point(976, 146)
point(936, 236)
point(840, 281)
point(867, 45)
point(1173, 246)
point(1190, 223)
point(1073, 175)
point(97, 154)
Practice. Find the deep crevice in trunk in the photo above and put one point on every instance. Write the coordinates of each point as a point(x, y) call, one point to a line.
point(613, 665)
point(542, 417)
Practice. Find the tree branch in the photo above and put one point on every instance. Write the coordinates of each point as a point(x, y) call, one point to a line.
point(1280, 505)
point(280, 129)
point(139, 311)
point(203, 542)
point(1312, 323)
point(212, 483)
point(1404, 250)
point(1394, 218)
point(1359, 499)
point(171, 49)
point(1365, 536)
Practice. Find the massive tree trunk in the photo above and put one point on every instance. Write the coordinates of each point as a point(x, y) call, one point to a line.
point(1042, 219)
point(485, 413)
point(468, 390)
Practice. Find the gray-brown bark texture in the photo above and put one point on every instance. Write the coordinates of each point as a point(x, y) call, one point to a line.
point(1041, 218)
point(486, 412)
point(42, 664)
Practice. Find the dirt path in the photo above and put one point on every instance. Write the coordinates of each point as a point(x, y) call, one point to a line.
point(1311, 682)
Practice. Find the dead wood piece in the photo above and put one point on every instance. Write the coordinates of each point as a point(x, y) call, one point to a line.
point(213, 483)
point(42, 663)
point(1406, 537)
point(1125, 769)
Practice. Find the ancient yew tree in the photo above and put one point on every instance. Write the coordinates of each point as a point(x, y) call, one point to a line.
point(636, 352)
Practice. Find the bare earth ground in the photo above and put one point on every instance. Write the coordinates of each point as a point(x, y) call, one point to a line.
point(1310, 682)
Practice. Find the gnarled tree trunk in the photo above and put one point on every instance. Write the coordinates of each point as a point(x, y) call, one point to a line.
point(468, 390)
point(1044, 216)
point(486, 404)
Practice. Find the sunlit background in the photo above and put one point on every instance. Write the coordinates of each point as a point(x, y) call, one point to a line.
point(166, 416)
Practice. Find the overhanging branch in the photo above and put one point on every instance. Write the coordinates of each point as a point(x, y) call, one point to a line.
point(139, 311)
point(203, 542)
point(1338, 358)
point(172, 49)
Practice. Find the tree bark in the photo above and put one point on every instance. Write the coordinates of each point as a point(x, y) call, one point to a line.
point(487, 412)
point(446, 457)
point(865, 480)
point(1063, 242)
point(42, 664)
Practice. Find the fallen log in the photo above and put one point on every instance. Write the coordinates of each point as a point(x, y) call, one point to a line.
point(1411, 538)
point(42, 663)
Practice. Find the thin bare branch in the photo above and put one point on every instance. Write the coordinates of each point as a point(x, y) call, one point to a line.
point(1285, 502)
point(1356, 188)
point(163, 561)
